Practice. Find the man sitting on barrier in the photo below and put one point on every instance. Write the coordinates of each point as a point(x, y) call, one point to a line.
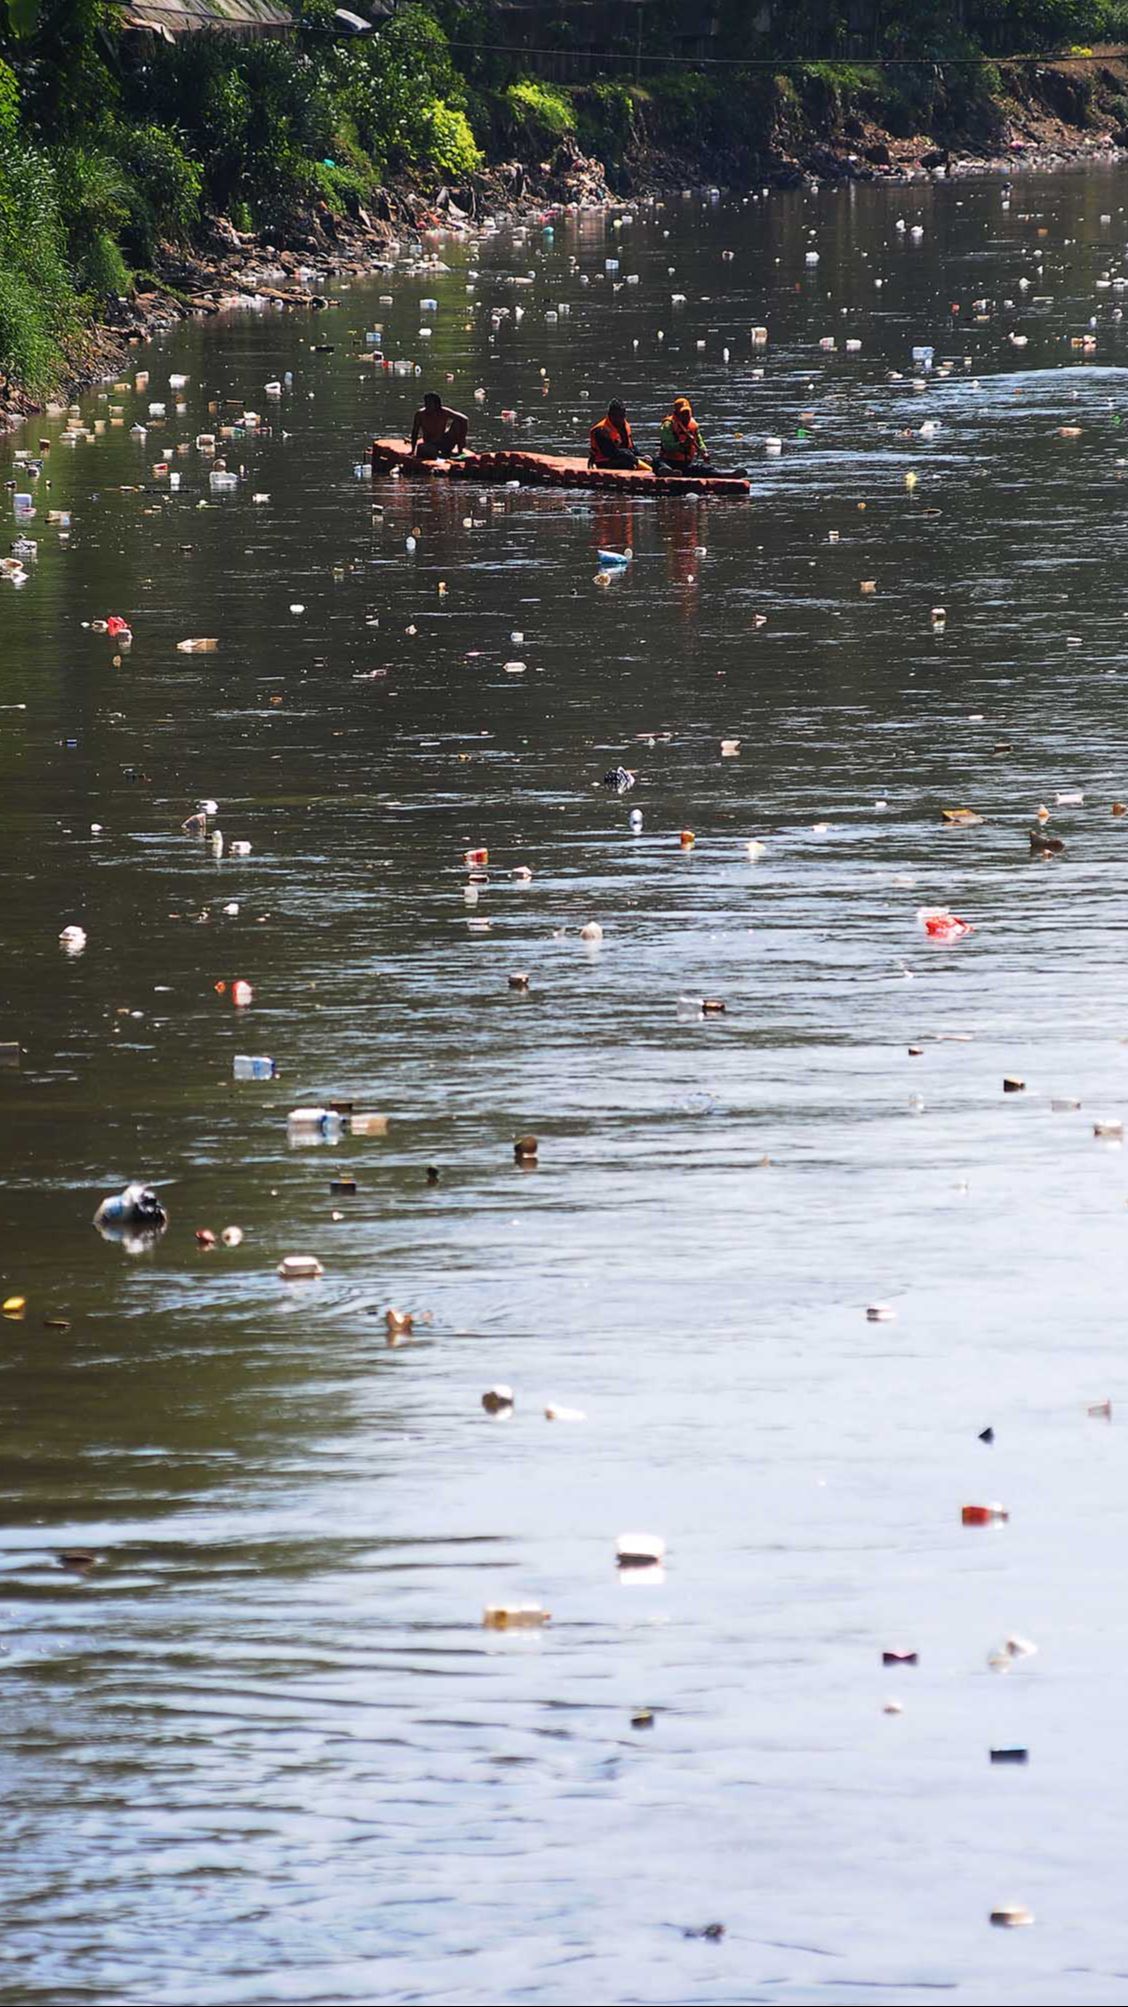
point(436, 432)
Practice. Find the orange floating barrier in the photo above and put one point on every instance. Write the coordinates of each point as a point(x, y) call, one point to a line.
point(539, 470)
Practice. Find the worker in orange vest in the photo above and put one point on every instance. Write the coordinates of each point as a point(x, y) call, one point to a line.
point(611, 442)
point(682, 450)
point(681, 447)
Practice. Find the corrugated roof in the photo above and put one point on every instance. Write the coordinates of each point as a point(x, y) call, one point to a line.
point(170, 18)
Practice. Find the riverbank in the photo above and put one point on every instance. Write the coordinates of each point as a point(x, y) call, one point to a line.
point(848, 122)
point(294, 267)
point(1044, 117)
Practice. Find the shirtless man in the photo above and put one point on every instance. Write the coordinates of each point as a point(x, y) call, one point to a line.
point(437, 433)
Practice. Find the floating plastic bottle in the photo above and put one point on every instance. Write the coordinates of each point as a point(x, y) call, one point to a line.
point(313, 1125)
point(253, 1066)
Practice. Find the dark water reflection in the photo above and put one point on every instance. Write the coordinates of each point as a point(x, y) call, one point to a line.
point(264, 1751)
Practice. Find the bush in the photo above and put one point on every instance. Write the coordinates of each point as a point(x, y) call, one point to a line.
point(536, 114)
point(94, 198)
point(165, 187)
point(257, 115)
point(1017, 26)
point(682, 108)
point(403, 96)
point(104, 273)
point(281, 184)
point(605, 119)
point(9, 101)
point(37, 304)
point(448, 142)
point(341, 188)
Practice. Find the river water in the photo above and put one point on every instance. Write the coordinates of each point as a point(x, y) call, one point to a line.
point(264, 1750)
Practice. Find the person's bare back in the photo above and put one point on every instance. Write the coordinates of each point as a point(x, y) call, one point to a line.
point(437, 432)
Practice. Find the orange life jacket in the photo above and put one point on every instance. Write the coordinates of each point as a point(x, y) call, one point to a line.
point(681, 440)
point(608, 435)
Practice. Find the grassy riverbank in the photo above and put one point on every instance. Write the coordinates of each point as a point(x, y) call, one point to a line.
point(115, 160)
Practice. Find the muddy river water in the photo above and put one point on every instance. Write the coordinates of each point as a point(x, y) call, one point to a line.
point(263, 1749)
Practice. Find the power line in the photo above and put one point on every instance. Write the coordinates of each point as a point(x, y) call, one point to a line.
point(781, 63)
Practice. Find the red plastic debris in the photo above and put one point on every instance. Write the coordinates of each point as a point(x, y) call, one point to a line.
point(941, 925)
point(117, 628)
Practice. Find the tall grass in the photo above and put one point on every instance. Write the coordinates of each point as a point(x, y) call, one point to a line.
point(38, 307)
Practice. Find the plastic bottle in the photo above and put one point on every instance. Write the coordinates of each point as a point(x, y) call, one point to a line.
point(253, 1066)
point(313, 1124)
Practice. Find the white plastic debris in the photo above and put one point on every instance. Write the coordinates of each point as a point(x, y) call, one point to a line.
point(515, 1616)
point(1020, 1648)
point(253, 1066)
point(314, 1124)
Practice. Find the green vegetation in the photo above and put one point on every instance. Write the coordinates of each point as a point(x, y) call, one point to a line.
point(112, 147)
point(38, 309)
point(537, 113)
point(109, 149)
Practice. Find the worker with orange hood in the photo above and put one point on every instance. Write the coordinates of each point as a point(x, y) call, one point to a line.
point(681, 448)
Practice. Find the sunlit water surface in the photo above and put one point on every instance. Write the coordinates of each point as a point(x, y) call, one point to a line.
point(264, 1750)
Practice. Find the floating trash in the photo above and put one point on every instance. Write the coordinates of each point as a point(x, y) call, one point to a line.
point(498, 1400)
point(940, 924)
point(639, 1550)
